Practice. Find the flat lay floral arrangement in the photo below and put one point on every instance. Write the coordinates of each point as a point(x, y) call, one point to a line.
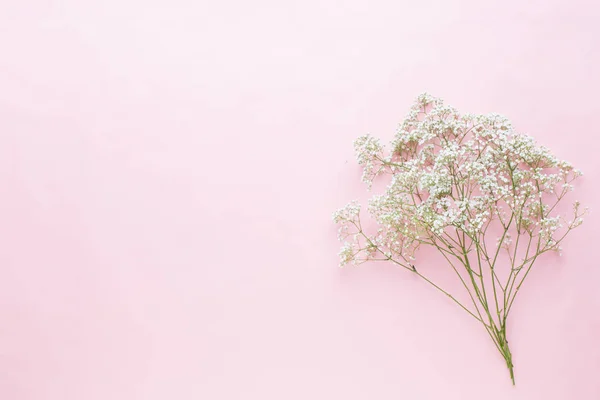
point(487, 198)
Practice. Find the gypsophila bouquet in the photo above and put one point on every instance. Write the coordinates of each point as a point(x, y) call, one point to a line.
point(485, 197)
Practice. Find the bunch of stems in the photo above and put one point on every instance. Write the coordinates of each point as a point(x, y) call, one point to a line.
point(476, 264)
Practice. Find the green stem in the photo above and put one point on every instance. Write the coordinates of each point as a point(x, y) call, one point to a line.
point(505, 350)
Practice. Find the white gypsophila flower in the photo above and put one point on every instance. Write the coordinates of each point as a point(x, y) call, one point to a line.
point(347, 213)
point(369, 154)
point(461, 172)
point(505, 242)
point(347, 254)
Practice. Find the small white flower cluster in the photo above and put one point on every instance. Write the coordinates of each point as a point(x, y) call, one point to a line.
point(452, 172)
point(505, 241)
point(347, 254)
point(369, 154)
point(347, 213)
point(348, 219)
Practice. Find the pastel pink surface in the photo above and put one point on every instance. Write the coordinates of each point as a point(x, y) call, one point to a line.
point(168, 173)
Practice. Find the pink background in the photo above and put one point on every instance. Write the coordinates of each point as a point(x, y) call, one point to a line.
point(168, 171)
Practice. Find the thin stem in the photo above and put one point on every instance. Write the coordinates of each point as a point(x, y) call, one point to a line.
point(413, 270)
point(464, 284)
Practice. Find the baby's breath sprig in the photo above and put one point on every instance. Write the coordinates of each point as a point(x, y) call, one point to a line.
point(455, 179)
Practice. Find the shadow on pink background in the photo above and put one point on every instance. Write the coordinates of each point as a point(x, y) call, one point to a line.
point(168, 171)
